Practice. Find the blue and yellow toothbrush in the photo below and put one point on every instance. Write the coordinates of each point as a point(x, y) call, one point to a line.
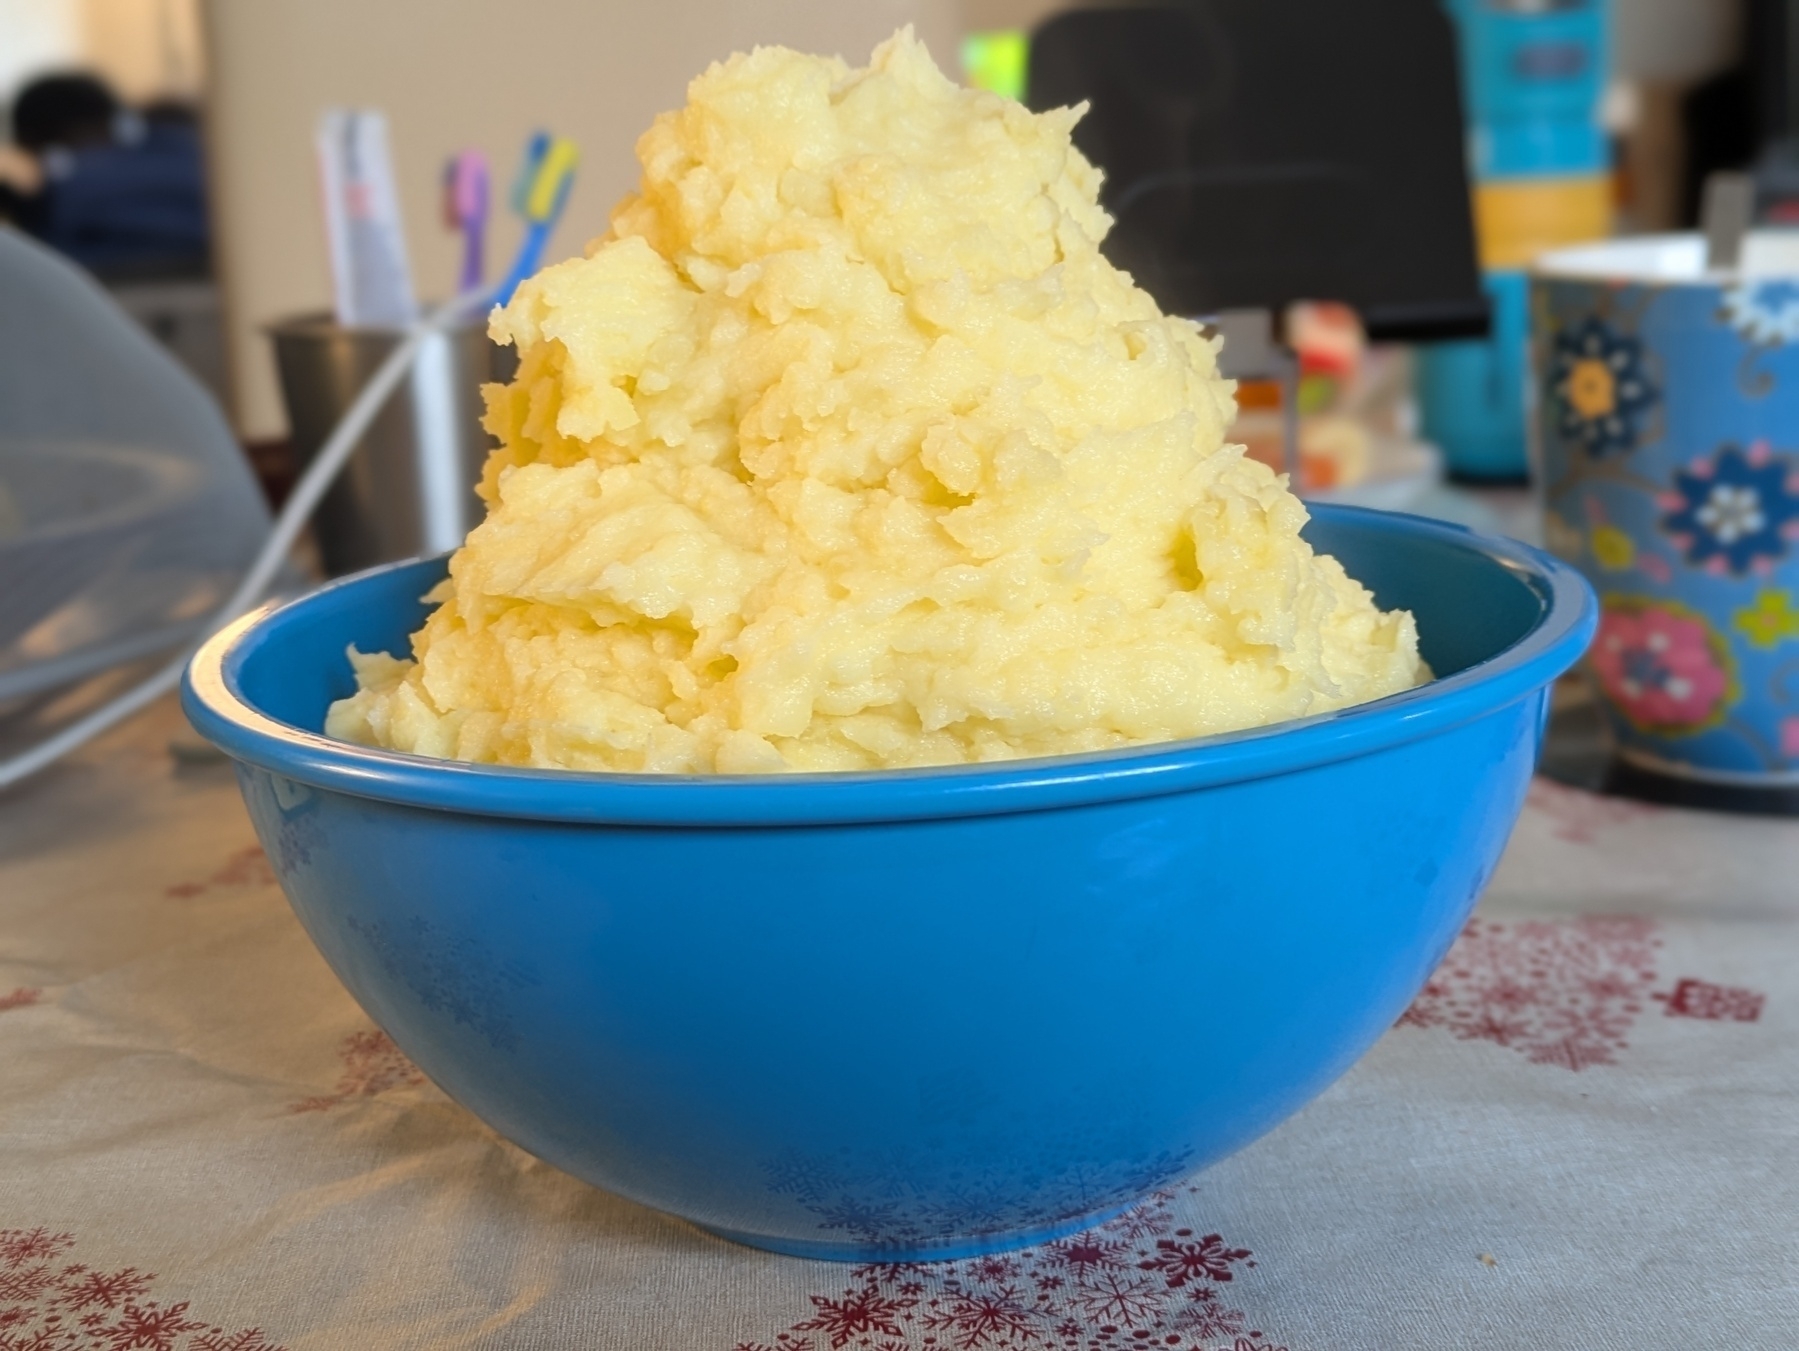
point(539, 195)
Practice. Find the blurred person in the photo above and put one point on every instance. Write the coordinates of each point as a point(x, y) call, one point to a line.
point(118, 192)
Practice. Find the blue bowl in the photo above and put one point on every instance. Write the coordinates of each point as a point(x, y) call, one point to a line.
point(912, 1014)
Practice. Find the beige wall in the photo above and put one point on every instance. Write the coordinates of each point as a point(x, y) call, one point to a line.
point(981, 15)
point(145, 48)
point(454, 73)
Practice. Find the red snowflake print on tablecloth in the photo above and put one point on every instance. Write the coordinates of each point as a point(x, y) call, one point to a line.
point(47, 1304)
point(22, 997)
point(1120, 1297)
point(21, 1247)
point(1204, 1316)
point(372, 1065)
point(1086, 1253)
point(1136, 1280)
point(857, 1314)
point(891, 1273)
point(1561, 992)
point(1579, 817)
point(85, 1289)
point(25, 1283)
point(994, 1268)
point(1184, 1258)
point(148, 1326)
point(248, 867)
point(1715, 1003)
point(244, 1339)
point(971, 1319)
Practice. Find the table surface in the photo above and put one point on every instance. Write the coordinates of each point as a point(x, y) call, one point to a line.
point(1583, 1134)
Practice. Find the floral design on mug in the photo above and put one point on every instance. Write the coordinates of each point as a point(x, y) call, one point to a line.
point(1663, 666)
point(1601, 387)
point(1734, 511)
point(1613, 548)
point(1770, 621)
point(1764, 312)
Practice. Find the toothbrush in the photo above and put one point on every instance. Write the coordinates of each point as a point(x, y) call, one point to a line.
point(539, 196)
point(465, 201)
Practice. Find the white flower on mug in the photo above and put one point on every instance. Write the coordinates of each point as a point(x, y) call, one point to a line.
point(1736, 511)
point(1765, 312)
point(1731, 512)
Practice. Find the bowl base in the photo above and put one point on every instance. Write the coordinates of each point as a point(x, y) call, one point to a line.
point(939, 1250)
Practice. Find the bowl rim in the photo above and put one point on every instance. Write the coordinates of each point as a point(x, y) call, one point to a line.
point(219, 711)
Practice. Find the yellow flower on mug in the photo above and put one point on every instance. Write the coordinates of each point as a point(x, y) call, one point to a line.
point(1591, 389)
point(1772, 619)
point(1601, 385)
point(1612, 547)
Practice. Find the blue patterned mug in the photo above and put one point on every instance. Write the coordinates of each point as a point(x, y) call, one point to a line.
point(1667, 446)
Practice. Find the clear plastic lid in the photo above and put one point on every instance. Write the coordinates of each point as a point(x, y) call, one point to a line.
point(127, 509)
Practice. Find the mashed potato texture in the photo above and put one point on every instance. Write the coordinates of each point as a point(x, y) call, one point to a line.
point(844, 448)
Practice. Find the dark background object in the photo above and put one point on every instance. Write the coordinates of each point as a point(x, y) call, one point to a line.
point(123, 192)
point(1771, 59)
point(1747, 117)
point(1260, 152)
point(70, 109)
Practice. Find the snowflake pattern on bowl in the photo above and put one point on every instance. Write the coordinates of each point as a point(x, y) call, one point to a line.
point(49, 1304)
point(1602, 390)
point(1764, 312)
point(908, 1199)
point(294, 808)
point(450, 975)
point(1662, 666)
point(1141, 1279)
point(1734, 511)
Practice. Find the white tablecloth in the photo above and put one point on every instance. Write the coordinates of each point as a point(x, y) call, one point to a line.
point(1585, 1134)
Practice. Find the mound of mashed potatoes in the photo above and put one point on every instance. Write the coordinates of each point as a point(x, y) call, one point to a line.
point(844, 448)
